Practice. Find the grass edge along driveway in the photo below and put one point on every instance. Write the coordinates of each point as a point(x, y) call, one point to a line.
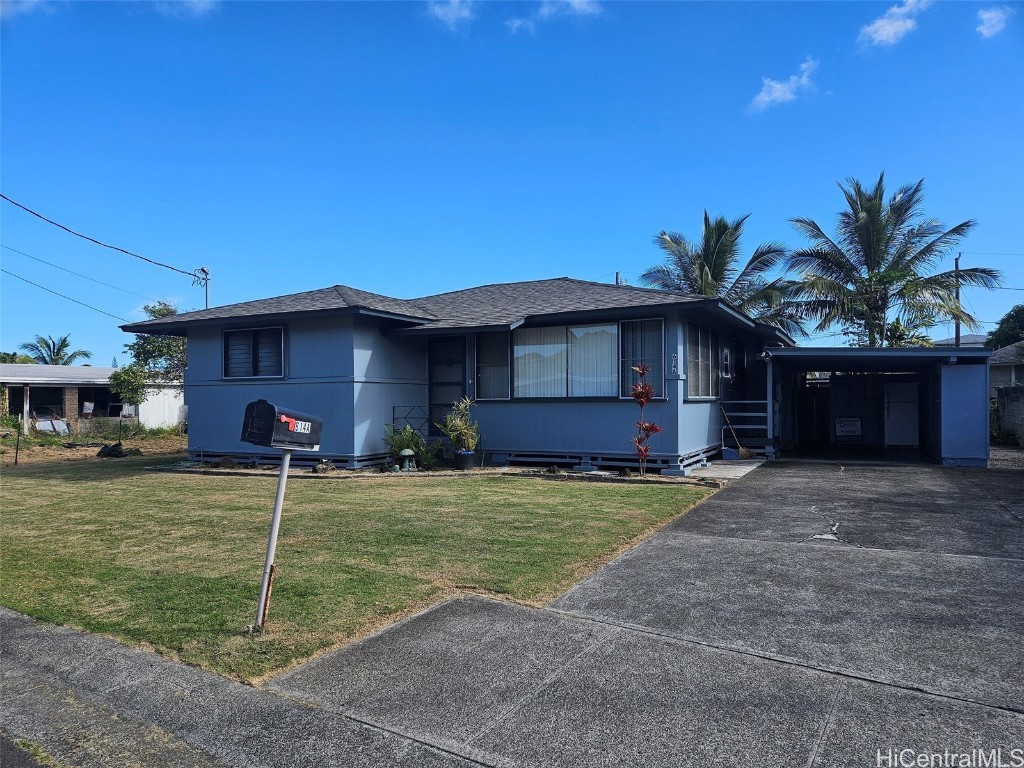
point(172, 562)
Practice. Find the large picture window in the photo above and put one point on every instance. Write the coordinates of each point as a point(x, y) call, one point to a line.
point(566, 361)
point(254, 353)
point(642, 344)
point(492, 365)
point(702, 371)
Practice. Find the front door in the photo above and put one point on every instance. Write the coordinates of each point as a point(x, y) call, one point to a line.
point(901, 414)
point(446, 356)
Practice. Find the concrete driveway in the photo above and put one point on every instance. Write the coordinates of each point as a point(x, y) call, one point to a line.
point(807, 615)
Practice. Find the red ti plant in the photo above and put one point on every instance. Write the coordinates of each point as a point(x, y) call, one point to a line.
point(643, 393)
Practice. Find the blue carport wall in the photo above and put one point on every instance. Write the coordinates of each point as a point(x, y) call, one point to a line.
point(881, 404)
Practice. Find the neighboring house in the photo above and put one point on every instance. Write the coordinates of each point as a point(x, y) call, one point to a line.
point(966, 340)
point(1006, 367)
point(70, 391)
point(549, 364)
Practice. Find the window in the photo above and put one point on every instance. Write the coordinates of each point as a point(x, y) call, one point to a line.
point(702, 372)
point(541, 362)
point(258, 352)
point(566, 361)
point(642, 344)
point(592, 360)
point(584, 360)
point(492, 366)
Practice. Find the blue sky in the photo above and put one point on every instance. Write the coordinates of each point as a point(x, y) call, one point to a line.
point(410, 148)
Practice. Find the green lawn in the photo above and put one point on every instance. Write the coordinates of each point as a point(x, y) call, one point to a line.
point(173, 561)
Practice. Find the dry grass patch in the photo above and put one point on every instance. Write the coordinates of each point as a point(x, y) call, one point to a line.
point(173, 561)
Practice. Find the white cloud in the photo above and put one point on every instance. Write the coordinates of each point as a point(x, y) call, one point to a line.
point(185, 9)
point(550, 9)
point(521, 25)
point(992, 21)
point(895, 24)
point(10, 9)
point(453, 13)
point(780, 91)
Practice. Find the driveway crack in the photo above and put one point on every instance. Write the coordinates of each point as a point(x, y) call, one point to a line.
point(545, 683)
point(825, 726)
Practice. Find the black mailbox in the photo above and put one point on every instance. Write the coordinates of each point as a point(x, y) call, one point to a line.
point(274, 427)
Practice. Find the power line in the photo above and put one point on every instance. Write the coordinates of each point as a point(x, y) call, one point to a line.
point(37, 285)
point(79, 274)
point(194, 275)
point(989, 253)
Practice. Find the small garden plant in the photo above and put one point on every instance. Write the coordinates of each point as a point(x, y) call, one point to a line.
point(642, 393)
point(397, 440)
point(460, 428)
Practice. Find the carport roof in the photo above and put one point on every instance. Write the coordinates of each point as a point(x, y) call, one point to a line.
point(55, 375)
point(873, 360)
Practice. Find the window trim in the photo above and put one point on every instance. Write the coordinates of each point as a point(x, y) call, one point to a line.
point(664, 357)
point(224, 353)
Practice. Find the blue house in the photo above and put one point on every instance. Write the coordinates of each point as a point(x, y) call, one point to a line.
point(548, 362)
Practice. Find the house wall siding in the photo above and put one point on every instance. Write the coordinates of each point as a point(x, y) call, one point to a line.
point(318, 367)
point(389, 371)
point(965, 428)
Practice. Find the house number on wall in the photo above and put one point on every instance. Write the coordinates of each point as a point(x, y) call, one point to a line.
point(675, 363)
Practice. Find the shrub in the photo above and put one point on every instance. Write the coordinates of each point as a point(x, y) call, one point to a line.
point(398, 440)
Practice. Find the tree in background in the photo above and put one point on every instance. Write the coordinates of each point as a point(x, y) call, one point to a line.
point(876, 269)
point(163, 358)
point(46, 350)
point(713, 268)
point(129, 383)
point(16, 357)
point(1010, 329)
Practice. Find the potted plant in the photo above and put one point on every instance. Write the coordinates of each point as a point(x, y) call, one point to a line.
point(464, 433)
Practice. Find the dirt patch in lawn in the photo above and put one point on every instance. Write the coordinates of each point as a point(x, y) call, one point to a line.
point(32, 453)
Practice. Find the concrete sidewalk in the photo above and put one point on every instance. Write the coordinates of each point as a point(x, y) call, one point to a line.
point(807, 615)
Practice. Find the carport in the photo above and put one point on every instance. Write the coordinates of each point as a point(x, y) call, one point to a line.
point(918, 404)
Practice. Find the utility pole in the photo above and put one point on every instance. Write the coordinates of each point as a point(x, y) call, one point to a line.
point(617, 279)
point(956, 272)
point(203, 278)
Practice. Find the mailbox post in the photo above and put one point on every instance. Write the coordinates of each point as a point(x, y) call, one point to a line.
point(272, 426)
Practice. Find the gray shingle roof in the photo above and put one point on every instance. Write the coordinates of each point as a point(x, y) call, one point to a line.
point(337, 297)
point(507, 303)
point(498, 304)
point(1009, 355)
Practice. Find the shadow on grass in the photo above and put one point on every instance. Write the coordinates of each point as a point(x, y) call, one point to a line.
point(77, 470)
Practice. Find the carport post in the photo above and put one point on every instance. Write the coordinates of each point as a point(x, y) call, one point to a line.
point(26, 411)
point(275, 524)
point(769, 448)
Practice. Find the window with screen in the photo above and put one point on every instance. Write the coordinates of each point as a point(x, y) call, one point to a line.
point(702, 362)
point(642, 342)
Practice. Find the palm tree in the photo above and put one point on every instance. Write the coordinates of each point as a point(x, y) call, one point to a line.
point(876, 268)
point(47, 351)
point(712, 268)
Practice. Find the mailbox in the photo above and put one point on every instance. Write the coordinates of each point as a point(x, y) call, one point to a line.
point(276, 427)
